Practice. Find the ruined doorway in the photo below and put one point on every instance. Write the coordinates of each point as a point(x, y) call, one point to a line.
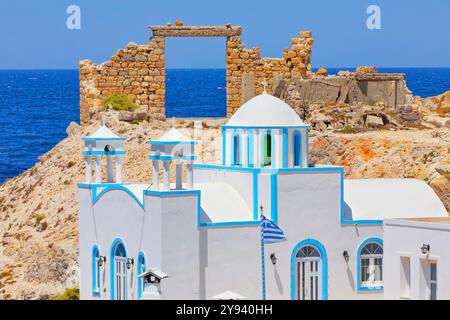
point(195, 78)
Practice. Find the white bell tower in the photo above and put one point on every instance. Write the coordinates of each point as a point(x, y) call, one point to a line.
point(103, 143)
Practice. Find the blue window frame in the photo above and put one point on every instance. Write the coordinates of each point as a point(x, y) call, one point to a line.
point(95, 271)
point(297, 149)
point(141, 268)
point(236, 156)
point(370, 265)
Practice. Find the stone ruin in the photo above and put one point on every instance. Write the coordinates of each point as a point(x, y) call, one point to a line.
point(138, 71)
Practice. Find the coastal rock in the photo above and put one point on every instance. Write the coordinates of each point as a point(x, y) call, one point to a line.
point(374, 121)
point(322, 72)
point(366, 69)
point(73, 129)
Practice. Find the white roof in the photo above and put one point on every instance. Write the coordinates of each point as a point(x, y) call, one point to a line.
point(103, 133)
point(154, 272)
point(379, 199)
point(265, 110)
point(228, 295)
point(221, 202)
point(173, 135)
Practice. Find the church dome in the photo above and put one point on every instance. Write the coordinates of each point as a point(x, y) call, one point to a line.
point(265, 110)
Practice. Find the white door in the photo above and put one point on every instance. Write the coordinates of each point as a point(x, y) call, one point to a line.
point(308, 274)
point(120, 277)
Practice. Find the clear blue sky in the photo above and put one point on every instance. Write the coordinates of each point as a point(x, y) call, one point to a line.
point(33, 34)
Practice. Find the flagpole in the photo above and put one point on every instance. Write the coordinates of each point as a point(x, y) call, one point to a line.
point(263, 269)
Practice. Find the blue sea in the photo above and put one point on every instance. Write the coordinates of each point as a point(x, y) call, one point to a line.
point(36, 106)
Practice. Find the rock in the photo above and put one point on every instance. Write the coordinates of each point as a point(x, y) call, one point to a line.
point(42, 226)
point(132, 45)
point(366, 69)
point(441, 185)
point(322, 72)
point(344, 73)
point(373, 121)
point(141, 58)
point(178, 23)
point(73, 129)
point(410, 116)
point(126, 116)
point(305, 34)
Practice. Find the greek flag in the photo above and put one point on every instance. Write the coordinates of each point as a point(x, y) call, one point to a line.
point(270, 232)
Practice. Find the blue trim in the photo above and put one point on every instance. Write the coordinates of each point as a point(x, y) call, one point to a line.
point(95, 272)
point(229, 224)
point(222, 167)
point(358, 265)
point(307, 147)
point(141, 267)
point(158, 142)
point(99, 185)
point(297, 157)
point(262, 127)
point(238, 156)
point(250, 158)
point(103, 139)
point(285, 148)
point(171, 157)
point(116, 242)
point(96, 196)
point(103, 153)
point(224, 143)
point(274, 197)
point(169, 192)
point(324, 260)
point(272, 150)
point(255, 196)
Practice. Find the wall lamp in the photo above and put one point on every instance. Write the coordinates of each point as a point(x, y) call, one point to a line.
point(273, 258)
point(425, 248)
point(346, 255)
point(130, 262)
point(101, 260)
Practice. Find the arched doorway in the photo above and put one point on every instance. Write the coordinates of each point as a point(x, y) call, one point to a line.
point(236, 150)
point(297, 149)
point(118, 271)
point(267, 149)
point(309, 271)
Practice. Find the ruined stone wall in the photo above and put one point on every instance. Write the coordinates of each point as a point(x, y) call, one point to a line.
point(137, 71)
point(246, 69)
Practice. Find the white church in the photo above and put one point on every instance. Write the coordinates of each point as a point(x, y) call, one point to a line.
point(199, 237)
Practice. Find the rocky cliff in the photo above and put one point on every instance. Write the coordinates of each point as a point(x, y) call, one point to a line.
point(38, 209)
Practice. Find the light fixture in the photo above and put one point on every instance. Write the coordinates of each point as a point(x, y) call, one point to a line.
point(130, 262)
point(101, 260)
point(346, 255)
point(273, 258)
point(425, 248)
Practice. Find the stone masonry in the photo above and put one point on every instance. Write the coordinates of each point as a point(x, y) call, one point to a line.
point(139, 70)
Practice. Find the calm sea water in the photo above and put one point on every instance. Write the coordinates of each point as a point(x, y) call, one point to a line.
point(36, 106)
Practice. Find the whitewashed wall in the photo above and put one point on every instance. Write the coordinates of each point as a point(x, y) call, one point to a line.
point(405, 239)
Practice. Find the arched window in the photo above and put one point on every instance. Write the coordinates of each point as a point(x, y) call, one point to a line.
point(267, 149)
point(297, 149)
point(95, 271)
point(118, 269)
point(141, 268)
point(236, 150)
point(370, 268)
point(308, 273)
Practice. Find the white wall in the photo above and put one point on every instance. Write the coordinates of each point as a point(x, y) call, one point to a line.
point(405, 239)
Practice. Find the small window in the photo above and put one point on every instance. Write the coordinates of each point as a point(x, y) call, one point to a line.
point(433, 281)
point(95, 271)
point(267, 151)
point(405, 277)
point(237, 150)
point(371, 266)
point(297, 149)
